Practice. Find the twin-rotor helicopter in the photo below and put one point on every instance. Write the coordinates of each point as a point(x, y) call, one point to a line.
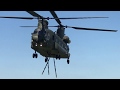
point(51, 44)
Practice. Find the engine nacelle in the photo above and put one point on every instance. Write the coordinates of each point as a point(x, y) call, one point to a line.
point(66, 39)
point(60, 32)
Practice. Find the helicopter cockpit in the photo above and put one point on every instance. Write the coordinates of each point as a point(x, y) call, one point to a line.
point(39, 32)
point(36, 31)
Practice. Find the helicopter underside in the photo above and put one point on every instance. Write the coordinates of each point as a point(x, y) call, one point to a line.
point(47, 51)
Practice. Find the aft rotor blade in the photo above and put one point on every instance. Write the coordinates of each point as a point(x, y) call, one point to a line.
point(55, 16)
point(93, 29)
point(35, 14)
point(79, 18)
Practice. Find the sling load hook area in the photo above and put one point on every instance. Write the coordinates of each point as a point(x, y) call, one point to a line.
point(47, 64)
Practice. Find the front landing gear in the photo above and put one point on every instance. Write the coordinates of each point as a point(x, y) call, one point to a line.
point(35, 55)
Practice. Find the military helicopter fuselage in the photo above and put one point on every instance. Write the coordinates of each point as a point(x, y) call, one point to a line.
point(49, 44)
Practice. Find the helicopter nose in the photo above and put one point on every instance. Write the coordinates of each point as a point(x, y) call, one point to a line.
point(35, 37)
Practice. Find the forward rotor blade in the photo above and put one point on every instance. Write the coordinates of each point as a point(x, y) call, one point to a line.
point(28, 26)
point(35, 14)
point(81, 28)
point(55, 16)
point(18, 17)
point(50, 18)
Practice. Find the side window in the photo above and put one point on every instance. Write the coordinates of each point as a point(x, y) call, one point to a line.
point(62, 45)
point(65, 48)
point(56, 40)
point(53, 37)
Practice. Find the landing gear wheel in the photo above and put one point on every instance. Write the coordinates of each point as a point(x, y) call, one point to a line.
point(68, 61)
point(57, 57)
point(46, 59)
point(35, 55)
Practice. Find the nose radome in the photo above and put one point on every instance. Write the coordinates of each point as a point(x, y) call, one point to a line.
point(35, 37)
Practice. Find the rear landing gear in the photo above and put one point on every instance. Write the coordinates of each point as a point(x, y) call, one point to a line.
point(68, 61)
point(57, 57)
point(35, 55)
point(46, 59)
